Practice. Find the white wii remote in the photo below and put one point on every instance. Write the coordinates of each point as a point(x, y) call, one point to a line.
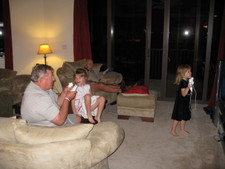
point(74, 88)
point(191, 81)
point(70, 84)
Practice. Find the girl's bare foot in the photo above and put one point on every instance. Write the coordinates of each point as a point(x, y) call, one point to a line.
point(98, 119)
point(91, 120)
point(174, 133)
point(185, 132)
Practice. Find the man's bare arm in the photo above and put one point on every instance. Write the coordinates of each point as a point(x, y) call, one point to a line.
point(62, 115)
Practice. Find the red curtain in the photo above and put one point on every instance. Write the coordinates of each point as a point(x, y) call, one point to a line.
point(221, 52)
point(7, 35)
point(81, 35)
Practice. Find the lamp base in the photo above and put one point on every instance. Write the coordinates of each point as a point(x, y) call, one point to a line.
point(45, 57)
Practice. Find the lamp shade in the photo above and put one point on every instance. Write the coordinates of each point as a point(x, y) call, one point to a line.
point(44, 49)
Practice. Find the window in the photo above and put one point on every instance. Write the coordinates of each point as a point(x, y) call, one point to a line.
point(178, 32)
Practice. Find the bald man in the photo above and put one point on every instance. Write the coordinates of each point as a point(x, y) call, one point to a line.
point(94, 80)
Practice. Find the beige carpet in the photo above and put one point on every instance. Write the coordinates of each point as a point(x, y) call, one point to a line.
point(150, 146)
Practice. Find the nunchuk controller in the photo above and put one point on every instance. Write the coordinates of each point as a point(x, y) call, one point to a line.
point(191, 81)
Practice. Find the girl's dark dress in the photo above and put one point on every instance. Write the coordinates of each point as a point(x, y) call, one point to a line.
point(181, 110)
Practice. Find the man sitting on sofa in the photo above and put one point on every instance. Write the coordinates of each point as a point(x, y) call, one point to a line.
point(94, 80)
point(41, 105)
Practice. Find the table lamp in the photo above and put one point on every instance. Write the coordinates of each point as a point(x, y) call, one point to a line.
point(44, 49)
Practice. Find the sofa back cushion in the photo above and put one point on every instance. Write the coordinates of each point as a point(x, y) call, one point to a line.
point(20, 83)
point(6, 78)
point(7, 74)
point(69, 68)
point(29, 134)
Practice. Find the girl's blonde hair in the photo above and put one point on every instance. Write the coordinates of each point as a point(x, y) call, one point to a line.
point(181, 70)
point(83, 73)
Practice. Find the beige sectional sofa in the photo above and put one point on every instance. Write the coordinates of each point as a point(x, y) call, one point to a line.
point(12, 87)
point(83, 146)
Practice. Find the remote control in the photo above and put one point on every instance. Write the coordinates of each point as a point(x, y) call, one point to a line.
point(70, 84)
point(191, 81)
point(74, 88)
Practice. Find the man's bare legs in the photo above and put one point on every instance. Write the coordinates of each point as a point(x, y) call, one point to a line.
point(174, 126)
point(87, 102)
point(182, 127)
point(104, 87)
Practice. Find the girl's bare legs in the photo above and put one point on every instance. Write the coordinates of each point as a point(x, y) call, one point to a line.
point(100, 108)
point(78, 118)
point(87, 102)
point(182, 127)
point(100, 102)
point(174, 126)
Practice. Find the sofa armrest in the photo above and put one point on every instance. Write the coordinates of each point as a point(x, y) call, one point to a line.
point(105, 138)
point(97, 67)
point(111, 78)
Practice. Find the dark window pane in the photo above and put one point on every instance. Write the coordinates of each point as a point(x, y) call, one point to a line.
point(98, 29)
point(129, 38)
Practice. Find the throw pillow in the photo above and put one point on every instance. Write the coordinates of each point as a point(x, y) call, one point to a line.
point(28, 134)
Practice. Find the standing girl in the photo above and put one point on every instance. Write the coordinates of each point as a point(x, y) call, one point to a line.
point(181, 111)
point(84, 104)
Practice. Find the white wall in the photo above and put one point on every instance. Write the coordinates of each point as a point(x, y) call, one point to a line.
point(41, 21)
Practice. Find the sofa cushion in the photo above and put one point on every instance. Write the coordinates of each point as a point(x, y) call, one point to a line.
point(29, 134)
point(111, 78)
point(69, 68)
point(97, 67)
point(20, 82)
point(6, 129)
point(7, 74)
point(6, 78)
point(6, 102)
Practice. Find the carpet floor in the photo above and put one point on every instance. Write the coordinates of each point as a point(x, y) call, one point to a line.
point(150, 146)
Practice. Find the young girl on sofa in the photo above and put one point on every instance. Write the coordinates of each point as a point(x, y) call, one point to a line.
point(85, 104)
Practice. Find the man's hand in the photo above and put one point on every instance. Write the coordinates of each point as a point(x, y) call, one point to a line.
point(71, 95)
point(67, 89)
point(61, 117)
